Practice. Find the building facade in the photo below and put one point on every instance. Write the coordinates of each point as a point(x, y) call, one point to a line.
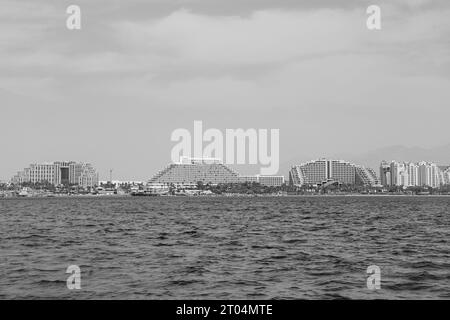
point(321, 171)
point(444, 172)
point(59, 173)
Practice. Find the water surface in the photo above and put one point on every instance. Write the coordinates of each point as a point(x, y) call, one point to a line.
point(225, 248)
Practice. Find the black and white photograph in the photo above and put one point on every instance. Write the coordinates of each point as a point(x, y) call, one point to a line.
point(226, 152)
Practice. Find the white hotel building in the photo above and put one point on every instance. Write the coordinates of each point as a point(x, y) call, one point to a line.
point(321, 171)
point(58, 173)
point(189, 171)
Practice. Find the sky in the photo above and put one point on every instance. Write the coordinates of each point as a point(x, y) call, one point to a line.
point(113, 92)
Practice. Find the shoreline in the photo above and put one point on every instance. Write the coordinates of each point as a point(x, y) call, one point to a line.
point(221, 196)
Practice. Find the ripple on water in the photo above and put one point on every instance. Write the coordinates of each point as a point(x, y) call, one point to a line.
point(221, 248)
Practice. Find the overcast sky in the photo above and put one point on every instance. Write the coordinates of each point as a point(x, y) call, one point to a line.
point(113, 92)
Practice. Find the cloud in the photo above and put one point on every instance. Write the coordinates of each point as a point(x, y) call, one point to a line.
point(188, 44)
point(264, 37)
point(178, 54)
point(285, 64)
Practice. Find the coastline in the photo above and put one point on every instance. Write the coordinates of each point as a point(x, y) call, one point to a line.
point(222, 196)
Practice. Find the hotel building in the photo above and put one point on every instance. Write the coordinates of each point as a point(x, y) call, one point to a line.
point(189, 171)
point(318, 172)
point(59, 173)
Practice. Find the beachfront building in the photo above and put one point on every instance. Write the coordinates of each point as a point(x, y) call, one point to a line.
point(409, 174)
point(190, 171)
point(444, 174)
point(366, 176)
point(321, 171)
point(58, 173)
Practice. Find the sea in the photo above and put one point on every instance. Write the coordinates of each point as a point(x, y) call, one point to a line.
point(293, 247)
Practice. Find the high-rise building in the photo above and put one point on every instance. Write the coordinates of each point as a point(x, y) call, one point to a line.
point(385, 173)
point(413, 174)
point(399, 174)
point(447, 176)
point(444, 175)
point(320, 171)
point(408, 174)
point(59, 173)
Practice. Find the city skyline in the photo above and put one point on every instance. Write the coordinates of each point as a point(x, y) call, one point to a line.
point(192, 170)
point(412, 156)
point(113, 92)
